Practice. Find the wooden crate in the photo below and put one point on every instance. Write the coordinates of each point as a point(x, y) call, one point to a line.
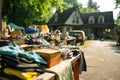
point(19, 41)
point(53, 57)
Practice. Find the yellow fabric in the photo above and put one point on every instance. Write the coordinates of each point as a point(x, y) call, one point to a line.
point(20, 74)
point(44, 27)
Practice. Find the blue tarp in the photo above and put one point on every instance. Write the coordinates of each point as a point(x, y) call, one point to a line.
point(30, 30)
point(16, 27)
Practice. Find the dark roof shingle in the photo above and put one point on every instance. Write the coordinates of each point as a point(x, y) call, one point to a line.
point(62, 17)
point(108, 16)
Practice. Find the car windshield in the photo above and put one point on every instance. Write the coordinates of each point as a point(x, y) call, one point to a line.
point(75, 33)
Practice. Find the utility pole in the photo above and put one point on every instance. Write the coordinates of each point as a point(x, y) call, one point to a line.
point(0, 16)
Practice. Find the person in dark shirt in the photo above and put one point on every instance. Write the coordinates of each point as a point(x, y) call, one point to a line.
point(118, 42)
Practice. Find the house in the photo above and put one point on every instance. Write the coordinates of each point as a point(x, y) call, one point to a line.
point(94, 23)
point(98, 23)
point(67, 20)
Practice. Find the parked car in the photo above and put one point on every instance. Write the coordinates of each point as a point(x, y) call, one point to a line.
point(79, 35)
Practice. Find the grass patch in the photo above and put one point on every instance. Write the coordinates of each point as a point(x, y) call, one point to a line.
point(85, 43)
point(113, 40)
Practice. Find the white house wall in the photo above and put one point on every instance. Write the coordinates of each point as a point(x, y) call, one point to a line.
point(67, 28)
point(64, 28)
point(69, 20)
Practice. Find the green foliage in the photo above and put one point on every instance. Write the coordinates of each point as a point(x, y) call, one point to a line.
point(91, 7)
point(117, 22)
point(118, 17)
point(69, 3)
point(80, 5)
point(92, 4)
point(42, 9)
point(117, 3)
point(88, 10)
point(27, 12)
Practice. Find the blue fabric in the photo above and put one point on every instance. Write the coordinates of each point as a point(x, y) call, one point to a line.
point(32, 55)
point(44, 41)
point(30, 30)
point(11, 50)
point(16, 51)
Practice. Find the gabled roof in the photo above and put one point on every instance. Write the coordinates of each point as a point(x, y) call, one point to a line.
point(62, 17)
point(108, 16)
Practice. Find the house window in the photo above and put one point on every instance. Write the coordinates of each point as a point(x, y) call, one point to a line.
point(101, 19)
point(56, 17)
point(107, 30)
point(73, 19)
point(91, 20)
point(77, 19)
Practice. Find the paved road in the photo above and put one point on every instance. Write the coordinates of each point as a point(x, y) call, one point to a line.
point(103, 61)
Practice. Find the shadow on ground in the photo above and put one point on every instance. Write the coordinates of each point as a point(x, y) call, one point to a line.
point(114, 47)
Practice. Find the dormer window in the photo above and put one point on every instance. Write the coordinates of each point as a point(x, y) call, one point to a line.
point(101, 19)
point(91, 20)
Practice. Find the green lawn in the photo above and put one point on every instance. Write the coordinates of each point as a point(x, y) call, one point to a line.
point(85, 43)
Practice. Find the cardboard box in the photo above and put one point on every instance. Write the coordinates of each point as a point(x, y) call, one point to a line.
point(53, 57)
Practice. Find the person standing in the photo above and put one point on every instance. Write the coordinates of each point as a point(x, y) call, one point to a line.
point(57, 37)
point(118, 40)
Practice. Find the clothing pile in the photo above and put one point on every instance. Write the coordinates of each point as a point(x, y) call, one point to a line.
point(37, 41)
point(69, 52)
point(20, 64)
point(4, 42)
point(64, 70)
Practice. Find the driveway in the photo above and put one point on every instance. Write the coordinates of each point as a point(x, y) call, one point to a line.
point(103, 61)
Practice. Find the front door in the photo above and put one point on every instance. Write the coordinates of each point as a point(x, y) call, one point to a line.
point(97, 33)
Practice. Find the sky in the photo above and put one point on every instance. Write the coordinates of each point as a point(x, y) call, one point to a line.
point(105, 5)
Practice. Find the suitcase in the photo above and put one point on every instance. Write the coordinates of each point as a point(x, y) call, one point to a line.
point(53, 57)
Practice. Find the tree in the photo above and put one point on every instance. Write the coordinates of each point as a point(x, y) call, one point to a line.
point(27, 12)
point(92, 4)
point(117, 3)
point(80, 5)
point(91, 7)
point(118, 6)
point(69, 3)
point(41, 10)
point(0, 15)
point(118, 17)
point(88, 10)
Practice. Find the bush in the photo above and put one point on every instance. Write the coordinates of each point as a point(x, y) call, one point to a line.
point(109, 37)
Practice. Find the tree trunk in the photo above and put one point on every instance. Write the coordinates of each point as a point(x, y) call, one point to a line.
point(0, 16)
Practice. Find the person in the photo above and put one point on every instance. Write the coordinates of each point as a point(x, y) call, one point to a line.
point(57, 37)
point(118, 36)
point(118, 41)
point(103, 36)
point(64, 38)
